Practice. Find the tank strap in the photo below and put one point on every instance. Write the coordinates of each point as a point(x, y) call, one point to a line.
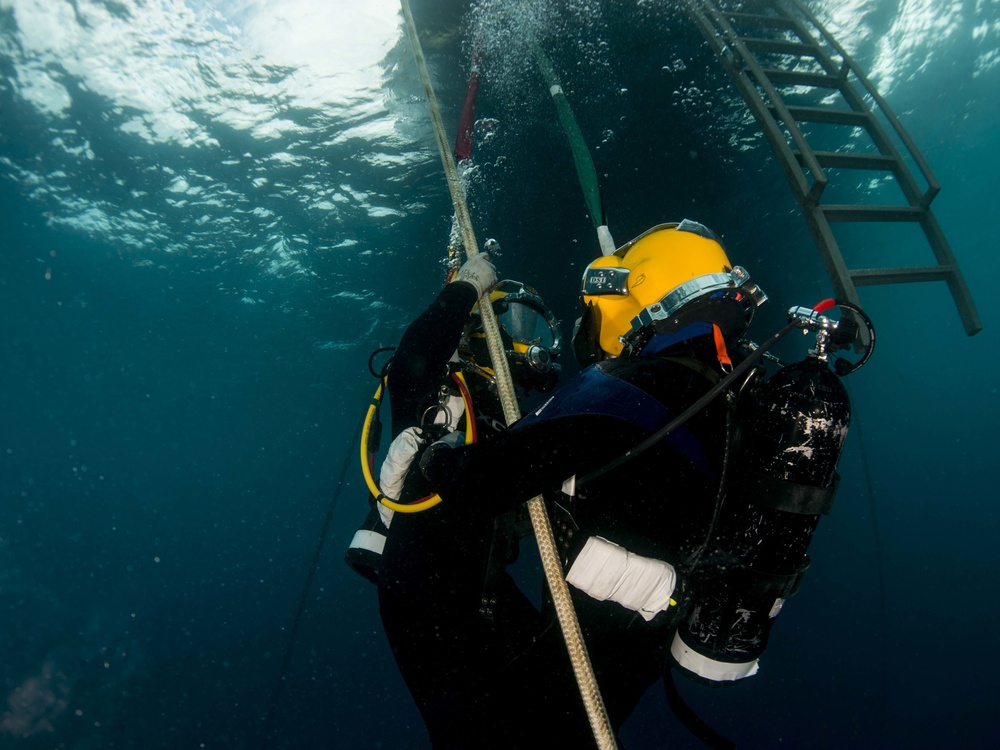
point(564, 524)
point(778, 585)
point(791, 497)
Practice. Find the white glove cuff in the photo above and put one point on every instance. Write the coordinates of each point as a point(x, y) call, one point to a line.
point(604, 570)
point(397, 462)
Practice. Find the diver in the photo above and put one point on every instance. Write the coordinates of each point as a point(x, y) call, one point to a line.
point(636, 456)
point(451, 612)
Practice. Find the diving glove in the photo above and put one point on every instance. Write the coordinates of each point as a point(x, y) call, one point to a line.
point(479, 272)
point(428, 459)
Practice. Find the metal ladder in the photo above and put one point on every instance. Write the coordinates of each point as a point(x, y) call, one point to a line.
point(800, 84)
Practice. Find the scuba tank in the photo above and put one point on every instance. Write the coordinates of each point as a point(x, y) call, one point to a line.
point(788, 443)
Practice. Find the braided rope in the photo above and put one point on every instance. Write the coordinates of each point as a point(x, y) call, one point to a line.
point(600, 724)
point(587, 682)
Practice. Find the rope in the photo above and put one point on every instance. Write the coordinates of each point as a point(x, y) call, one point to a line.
point(879, 577)
point(596, 711)
point(286, 659)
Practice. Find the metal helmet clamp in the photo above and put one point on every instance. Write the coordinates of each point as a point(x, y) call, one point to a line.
point(530, 334)
point(668, 277)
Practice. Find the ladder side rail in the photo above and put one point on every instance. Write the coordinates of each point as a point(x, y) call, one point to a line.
point(915, 195)
point(933, 186)
point(731, 40)
point(956, 280)
point(951, 272)
point(829, 250)
point(797, 179)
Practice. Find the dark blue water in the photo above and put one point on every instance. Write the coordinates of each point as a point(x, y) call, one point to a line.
point(213, 212)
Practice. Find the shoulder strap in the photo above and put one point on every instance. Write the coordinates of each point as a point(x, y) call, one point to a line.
point(612, 397)
point(692, 363)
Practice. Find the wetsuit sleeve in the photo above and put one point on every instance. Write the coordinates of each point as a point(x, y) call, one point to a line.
point(424, 350)
point(519, 464)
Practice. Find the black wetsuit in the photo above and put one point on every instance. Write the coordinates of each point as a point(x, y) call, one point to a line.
point(658, 504)
point(433, 573)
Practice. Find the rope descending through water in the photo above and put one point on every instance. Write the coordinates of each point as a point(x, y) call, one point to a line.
point(293, 630)
point(596, 711)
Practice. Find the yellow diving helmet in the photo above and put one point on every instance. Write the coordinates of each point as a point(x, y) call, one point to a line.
point(667, 277)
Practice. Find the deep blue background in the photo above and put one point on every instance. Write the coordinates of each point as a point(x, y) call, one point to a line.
point(169, 451)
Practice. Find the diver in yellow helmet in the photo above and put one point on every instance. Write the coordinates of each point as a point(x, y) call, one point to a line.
point(683, 483)
point(657, 284)
point(659, 317)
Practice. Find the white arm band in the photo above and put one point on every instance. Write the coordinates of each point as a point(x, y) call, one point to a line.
point(605, 570)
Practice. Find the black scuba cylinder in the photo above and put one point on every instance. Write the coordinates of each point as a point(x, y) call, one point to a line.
point(784, 477)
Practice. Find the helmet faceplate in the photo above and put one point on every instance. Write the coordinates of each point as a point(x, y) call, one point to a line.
point(530, 336)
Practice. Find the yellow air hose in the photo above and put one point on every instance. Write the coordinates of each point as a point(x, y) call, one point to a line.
point(589, 691)
point(431, 500)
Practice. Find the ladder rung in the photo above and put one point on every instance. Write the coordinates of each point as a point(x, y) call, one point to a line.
point(834, 116)
point(874, 276)
point(836, 159)
point(755, 19)
point(851, 212)
point(815, 70)
point(779, 46)
point(798, 78)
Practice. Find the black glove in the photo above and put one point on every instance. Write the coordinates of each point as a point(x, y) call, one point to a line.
point(430, 461)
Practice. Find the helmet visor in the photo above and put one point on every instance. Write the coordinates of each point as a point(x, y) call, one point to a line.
point(523, 316)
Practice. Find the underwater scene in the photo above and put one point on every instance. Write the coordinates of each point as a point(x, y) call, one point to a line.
point(215, 211)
